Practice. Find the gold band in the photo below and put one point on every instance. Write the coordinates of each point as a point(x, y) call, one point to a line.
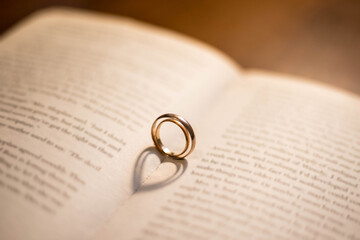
point(185, 127)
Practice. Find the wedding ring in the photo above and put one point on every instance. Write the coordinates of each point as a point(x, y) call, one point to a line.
point(184, 126)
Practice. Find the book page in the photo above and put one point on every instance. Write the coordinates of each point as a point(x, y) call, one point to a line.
point(78, 95)
point(283, 163)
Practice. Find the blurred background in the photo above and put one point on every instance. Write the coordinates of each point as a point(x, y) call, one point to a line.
point(318, 39)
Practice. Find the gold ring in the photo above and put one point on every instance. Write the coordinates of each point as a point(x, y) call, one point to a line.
point(185, 127)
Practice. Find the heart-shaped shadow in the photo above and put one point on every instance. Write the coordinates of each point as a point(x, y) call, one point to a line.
point(162, 169)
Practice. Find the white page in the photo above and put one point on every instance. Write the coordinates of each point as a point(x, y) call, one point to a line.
point(283, 163)
point(78, 95)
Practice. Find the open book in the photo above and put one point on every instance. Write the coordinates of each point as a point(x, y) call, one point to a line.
point(276, 158)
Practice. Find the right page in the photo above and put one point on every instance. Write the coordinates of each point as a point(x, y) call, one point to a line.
point(277, 158)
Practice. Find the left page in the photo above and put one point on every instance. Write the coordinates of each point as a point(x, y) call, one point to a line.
point(78, 94)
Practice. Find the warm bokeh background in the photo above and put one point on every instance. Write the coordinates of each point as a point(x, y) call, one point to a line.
point(319, 39)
